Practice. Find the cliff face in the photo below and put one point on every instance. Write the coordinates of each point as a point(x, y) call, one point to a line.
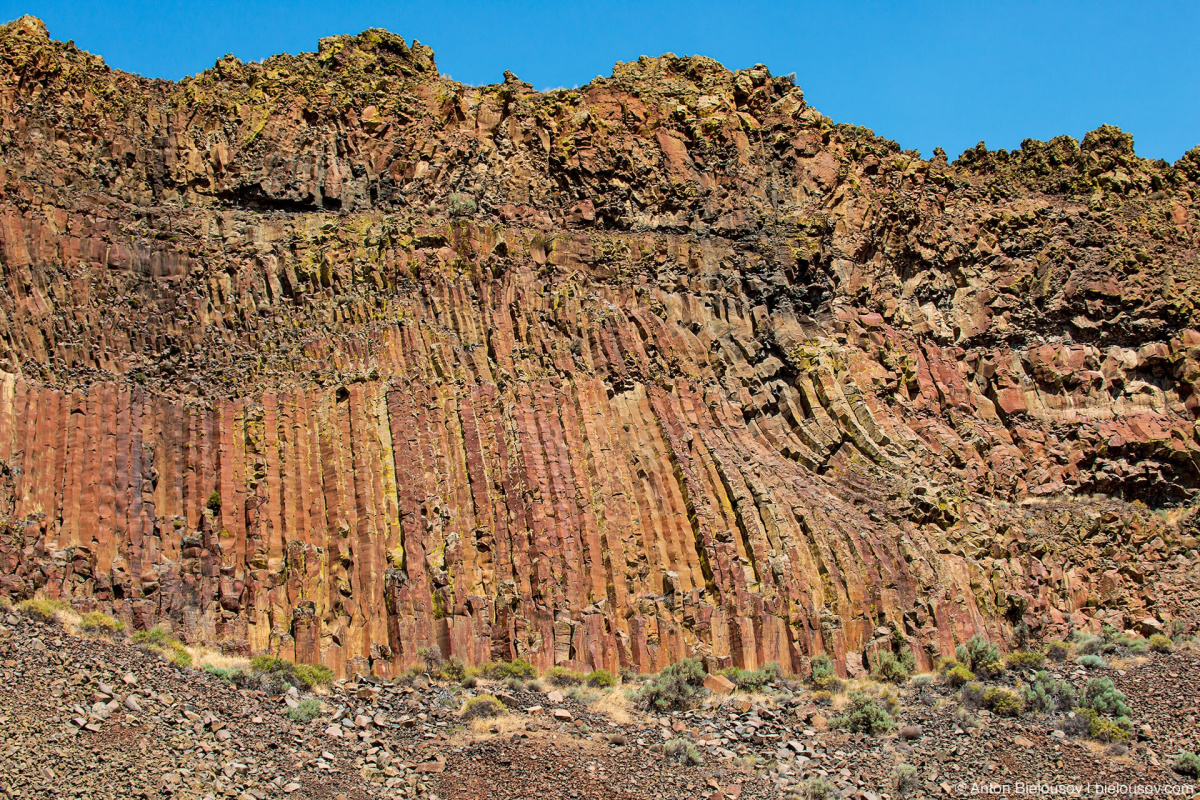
point(334, 357)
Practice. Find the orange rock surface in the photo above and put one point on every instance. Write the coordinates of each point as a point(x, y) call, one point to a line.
point(334, 357)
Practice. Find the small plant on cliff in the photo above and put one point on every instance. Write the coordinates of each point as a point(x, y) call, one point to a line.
point(958, 676)
point(1057, 651)
point(483, 706)
point(972, 694)
point(678, 687)
point(1026, 660)
point(101, 623)
point(302, 676)
point(864, 715)
point(431, 657)
point(223, 673)
point(503, 670)
point(1100, 695)
point(452, 669)
point(1003, 702)
point(888, 669)
point(1102, 713)
point(1160, 643)
point(462, 205)
point(1047, 695)
point(214, 503)
point(906, 778)
point(1099, 727)
point(561, 676)
point(600, 679)
point(159, 640)
point(824, 673)
point(306, 710)
point(1187, 764)
point(818, 789)
point(753, 680)
point(42, 609)
point(682, 751)
point(1091, 661)
point(981, 656)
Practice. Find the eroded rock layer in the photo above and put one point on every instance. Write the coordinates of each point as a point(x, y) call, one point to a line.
point(334, 357)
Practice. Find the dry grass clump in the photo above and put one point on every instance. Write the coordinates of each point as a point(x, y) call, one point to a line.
point(47, 610)
point(615, 705)
point(100, 623)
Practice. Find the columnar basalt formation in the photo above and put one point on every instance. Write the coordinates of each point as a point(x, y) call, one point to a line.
point(334, 357)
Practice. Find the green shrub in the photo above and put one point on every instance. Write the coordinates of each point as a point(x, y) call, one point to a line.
point(682, 751)
point(1103, 729)
point(1187, 764)
point(561, 676)
point(582, 695)
point(158, 636)
point(431, 657)
point(972, 694)
point(1136, 645)
point(819, 789)
point(452, 669)
point(160, 640)
point(678, 687)
point(888, 669)
point(600, 679)
point(976, 652)
point(753, 680)
point(503, 670)
point(959, 676)
point(307, 710)
point(980, 656)
point(1091, 661)
point(483, 706)
point(1003, 702)
point(906, 778)
point(1100, 695)
point(824, 671)
point(302, 676)
point(1026, 660)
point(179, 656)
point(920, 682)
point(1160, 644)
point(1048, 695)
point(864, 715)
point(1057, 651)
point(313, 675)
point(41, 609)
point(99, 622)
point(214, 502)
point(1088, 644)
point(221, 672)
point(462, 205)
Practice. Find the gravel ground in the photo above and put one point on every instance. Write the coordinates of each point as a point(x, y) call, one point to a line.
point(86, 717)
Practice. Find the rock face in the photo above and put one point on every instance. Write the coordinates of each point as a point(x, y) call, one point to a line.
point(333, 357)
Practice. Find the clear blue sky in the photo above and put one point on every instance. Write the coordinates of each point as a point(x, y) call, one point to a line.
point(925, 74)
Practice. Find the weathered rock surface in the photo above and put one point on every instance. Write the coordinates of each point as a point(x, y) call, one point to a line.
point(333, 357)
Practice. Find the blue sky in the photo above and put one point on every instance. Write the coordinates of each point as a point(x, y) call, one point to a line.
point(924, 74)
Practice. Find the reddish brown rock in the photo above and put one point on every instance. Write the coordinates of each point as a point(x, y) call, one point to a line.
point(332, 357)
point(718, 684)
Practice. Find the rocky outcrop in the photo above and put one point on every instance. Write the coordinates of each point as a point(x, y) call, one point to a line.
point(334, 357)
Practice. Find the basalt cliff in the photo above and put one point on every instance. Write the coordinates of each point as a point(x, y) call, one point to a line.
point(334, 357)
